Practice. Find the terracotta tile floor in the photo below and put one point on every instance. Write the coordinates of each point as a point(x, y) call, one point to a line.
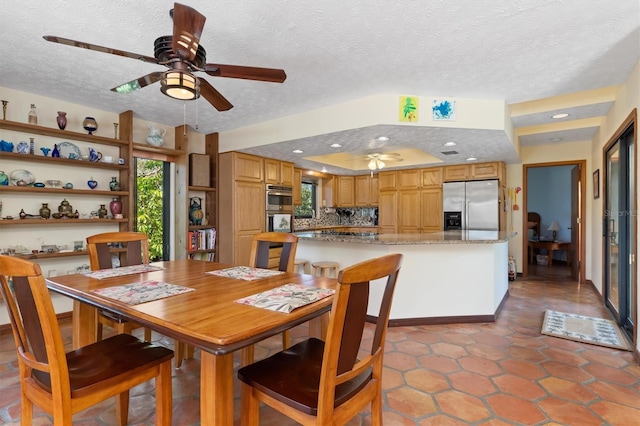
point(505, 373)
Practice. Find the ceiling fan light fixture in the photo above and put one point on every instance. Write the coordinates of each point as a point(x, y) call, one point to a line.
point(180, 85)
point(375, 164)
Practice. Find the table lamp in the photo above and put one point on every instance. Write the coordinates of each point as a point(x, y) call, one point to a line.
point(554, 227)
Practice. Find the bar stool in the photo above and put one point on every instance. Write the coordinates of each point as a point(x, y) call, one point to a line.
point(302, 263)
point(326, 269)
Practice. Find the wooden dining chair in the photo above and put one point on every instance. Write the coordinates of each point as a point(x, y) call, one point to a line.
point(317, 382)
point(136, 247)
point(272, 250)
point(60, 383)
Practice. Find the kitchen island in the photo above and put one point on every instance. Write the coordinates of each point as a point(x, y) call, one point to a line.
point(446, 277)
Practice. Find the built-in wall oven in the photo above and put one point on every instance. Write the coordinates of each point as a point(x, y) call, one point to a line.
point(279, 208)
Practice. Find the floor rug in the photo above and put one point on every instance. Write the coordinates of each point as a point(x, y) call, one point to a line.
point(596, 331)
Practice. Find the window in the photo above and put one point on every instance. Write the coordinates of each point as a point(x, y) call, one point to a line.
point(309, 197)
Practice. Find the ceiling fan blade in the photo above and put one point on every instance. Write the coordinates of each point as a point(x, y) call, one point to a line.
point(97, 48)
point(187, 29)
point(248, 73)
point(214, 97)
point(138, 83)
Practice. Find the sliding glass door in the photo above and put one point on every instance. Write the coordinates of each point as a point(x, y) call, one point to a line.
point(620, 229)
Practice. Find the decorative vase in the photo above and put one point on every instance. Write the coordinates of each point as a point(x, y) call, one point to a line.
point(45, 151)
point(90, 125)
point(4, 109)
point(55, 152)
point(32, 146)
point(45, 211)
point(92, 183)
point(114, 185)
point(22, 214)
point(4, 179)
point(102, 211)
point(33, 117)
point(61, 120)
point(156, 136)
point(115, 206)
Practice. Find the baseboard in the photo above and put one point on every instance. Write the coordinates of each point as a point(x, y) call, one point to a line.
point(460, 319)
point(62, 318)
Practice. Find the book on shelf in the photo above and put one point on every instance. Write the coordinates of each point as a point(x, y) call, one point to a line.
point(202, 239)
point(208, 256)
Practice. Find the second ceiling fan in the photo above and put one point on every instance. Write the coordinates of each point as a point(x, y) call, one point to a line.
point(183, 55)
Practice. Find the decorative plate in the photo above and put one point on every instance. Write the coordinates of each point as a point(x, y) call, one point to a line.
point(23, 176)
point(23, 147)
point(66, 148)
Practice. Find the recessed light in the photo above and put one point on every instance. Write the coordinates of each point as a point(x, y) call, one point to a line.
point(382, 138)
point(556, 139)
point(563, 115)
point(324, 170)
point(471, 159)
point(297, 151)
point(336, 145)
point(450, 144)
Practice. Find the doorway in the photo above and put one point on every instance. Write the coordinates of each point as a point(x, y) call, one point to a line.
point(619, 225)
point(556, 192)
point(152, 209)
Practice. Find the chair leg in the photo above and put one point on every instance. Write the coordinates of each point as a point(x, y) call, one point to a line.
point(376, 409)
point(247, 355)
point(98, 331)
point(250, 407)
point(27, 410)
point(286, 339)
point(178, 351)
point(147, 335)
point(122, 408)
point(163, 395)
point(188, 351)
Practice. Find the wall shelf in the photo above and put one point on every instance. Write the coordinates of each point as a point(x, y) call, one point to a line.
point(39, 255)
point(49, 190)
point(59, 160)
point(62, 134)
point(201, 188)
point(47, 222)
point(157, 149)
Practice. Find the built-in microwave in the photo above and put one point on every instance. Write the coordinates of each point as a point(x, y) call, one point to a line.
point(279, 198)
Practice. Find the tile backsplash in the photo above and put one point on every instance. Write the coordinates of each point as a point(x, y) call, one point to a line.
point(357, 216)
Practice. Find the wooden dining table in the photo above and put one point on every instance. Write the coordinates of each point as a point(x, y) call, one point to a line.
point(207, 318)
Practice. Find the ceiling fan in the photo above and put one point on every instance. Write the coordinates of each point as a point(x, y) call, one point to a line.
point(183, 55)
point(377, 160)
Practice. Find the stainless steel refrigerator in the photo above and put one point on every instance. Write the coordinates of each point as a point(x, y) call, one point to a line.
point(471, 205)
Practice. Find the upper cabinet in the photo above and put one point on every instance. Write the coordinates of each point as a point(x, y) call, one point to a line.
point(346, 191)
point(409, 179)
point(297, 186)
point(456, 173)
point(475, 171)
point(278, 172)
point(387, 181)
point(366, 190)
point(248, 167)
point(432, 177)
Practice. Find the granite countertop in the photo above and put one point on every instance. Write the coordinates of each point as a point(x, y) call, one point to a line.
point(445, 237)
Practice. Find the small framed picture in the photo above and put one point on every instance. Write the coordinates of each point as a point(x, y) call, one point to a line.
point(444, 109)
point(596, 184)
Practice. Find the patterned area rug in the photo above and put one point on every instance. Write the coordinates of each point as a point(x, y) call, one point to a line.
point(596, 331)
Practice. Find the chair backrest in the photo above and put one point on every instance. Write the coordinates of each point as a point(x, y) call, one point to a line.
point(136, 246)
point(533, 220)
point(261, 244)
point(41, 354)
point(346, 329)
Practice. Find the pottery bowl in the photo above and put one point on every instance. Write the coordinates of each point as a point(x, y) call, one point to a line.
point(53, 183)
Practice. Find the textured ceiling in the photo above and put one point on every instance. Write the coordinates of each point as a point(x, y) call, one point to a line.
point(334, 51)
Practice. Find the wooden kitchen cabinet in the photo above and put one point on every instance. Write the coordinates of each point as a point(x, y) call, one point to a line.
point(431, 205)
point(346, 191)
point(278, 172)
point(388, 181)
point(366, 190)
point(456, 173)
point(409, 179)
point(243, 199)
point(432, 177)
point(247, 167)
point(297, 186)
point(329, 191)
point(409, 211)
point(485, 170)
point(388, 212)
